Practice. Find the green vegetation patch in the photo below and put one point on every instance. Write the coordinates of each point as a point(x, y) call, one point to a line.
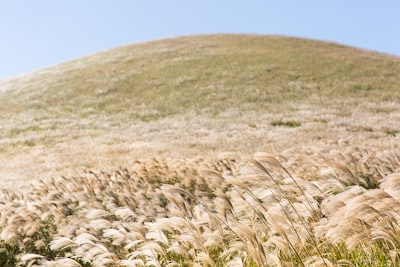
point(289, 124)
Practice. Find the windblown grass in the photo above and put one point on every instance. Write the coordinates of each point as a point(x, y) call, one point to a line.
point(233, 211)
point(326, 194)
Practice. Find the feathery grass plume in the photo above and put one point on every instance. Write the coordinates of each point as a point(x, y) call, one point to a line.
point(132, 246)
point(254, 245)
point(214, 177)
point(131, 263)
point(63, 262)
point(315, 261)
point(86, 238)
point(100, 224)
point(94, 214)
point(388, 238)
point(312, 208)
point(203, 259)
point(125, 213)
point(157, 236)
point(346, 175)
point(116, 237)
point(391, 184)
point(29, 257)
point(235, 262)
point(330, 186)
point(62, 243)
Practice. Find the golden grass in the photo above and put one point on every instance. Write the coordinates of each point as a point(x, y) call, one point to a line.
point(231, 211)
point(131, 138)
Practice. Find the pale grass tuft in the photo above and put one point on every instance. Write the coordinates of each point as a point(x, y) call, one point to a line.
point(97, 214)
point(100, 224)
point(315, 261)
point(125, 213)
point(235, 262)
point(62, 262)
point(85, 238)
point(158, 236)
point(132, 263)
point(62, 243)
point(391, 184)
point(267, 158)
point(31, 258)
point(116, 236)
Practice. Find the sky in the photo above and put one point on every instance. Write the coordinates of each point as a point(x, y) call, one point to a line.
point(41, 33)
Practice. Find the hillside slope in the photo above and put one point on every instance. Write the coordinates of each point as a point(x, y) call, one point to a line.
point(196, 96)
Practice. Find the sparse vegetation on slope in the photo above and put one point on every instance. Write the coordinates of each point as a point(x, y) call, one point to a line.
point(194, 95)
point(205, 74)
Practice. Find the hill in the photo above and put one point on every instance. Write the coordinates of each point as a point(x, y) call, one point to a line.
point(120, 158)
point(195, 96)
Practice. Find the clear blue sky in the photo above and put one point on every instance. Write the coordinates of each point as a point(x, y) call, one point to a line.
point(40, 33)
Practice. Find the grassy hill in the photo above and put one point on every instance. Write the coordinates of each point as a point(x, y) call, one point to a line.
point(191, 96)
point(204, 74)
point(147, 155)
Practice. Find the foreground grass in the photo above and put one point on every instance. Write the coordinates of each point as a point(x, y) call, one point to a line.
point(330, 197)
point(232, 211)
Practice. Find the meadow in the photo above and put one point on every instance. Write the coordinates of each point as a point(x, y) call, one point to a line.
point(215, 150)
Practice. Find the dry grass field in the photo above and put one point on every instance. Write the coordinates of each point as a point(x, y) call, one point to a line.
point(215, 150)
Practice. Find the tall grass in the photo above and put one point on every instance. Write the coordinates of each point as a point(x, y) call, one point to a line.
point(328, 197)
point(232, 211)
